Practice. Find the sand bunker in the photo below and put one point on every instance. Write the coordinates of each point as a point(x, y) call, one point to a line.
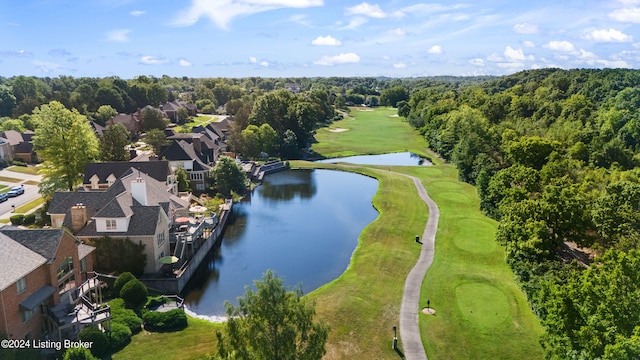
point(338, 130)
point(429, 311)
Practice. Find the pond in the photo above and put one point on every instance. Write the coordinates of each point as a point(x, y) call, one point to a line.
point(393, 159)
point(302, 224)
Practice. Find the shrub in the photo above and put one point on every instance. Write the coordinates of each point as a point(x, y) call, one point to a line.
point(120, 336)
point(99, 340)
point(171, 320)
point(134, 294)
point(29, 219)
point(120, 281)
point(154, 302)
point(78, 353)
point(17, 219)
point(124, 316)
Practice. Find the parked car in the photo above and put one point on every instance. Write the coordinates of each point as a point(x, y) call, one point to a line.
point(15, 191)
point(4, 197)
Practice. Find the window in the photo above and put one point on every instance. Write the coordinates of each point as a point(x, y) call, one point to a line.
point(196, 176)
point(65, 267)
point(21, 284)
point(199, 186)
point(111, 224)
point(83, 264)
point(160, 238)
point(26, 314)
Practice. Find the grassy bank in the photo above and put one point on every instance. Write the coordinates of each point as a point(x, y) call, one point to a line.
point(194, 342)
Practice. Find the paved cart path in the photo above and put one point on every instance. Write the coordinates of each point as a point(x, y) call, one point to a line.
point(409, 328)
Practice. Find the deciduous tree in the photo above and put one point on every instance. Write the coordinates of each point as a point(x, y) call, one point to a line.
point(65, 142)
point(113, 142)
point(273, 323)
point(227, 176)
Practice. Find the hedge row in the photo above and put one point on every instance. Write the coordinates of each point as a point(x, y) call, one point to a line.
point(171, 320)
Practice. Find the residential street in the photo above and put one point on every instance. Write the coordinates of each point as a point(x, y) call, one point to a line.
point(30, 191)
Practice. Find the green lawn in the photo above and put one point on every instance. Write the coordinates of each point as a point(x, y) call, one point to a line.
point(368, 131)
point(196, 341)
point(30, 170)
point(197, 121)
point(30, 205)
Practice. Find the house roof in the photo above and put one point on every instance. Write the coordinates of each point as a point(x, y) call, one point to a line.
point(13, 136)
point(158, 170)
point(143, 222)
point(44, 242)
point(97, 128)
point(117, 202)
point(16, 261)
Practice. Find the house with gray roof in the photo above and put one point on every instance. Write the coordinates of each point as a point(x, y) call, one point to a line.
point(40, 269)
point(101, 175)
point(136, 206)
point(190, 156)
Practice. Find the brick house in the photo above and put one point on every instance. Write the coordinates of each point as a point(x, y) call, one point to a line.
point(39, 271)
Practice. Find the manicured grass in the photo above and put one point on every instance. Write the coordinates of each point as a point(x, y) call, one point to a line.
point(477, 302)
point(197, 121)
point(194, 342)
point(369, 131)
point(30, 170)
point(9, 179)
point(30, 205)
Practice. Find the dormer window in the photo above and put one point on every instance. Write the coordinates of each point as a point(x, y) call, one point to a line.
point(111, 224)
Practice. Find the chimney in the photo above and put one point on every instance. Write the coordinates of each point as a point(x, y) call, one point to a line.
point(78, 217)
point(196, 145)
point(139, 191)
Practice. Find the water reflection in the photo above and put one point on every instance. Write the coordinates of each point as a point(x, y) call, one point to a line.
point(289, 185)
point(393, 159)
point(302, 224)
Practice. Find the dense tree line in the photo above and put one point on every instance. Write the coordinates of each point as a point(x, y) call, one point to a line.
point(554, 155)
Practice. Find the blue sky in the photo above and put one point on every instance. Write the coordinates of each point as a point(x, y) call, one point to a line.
point(296, 38)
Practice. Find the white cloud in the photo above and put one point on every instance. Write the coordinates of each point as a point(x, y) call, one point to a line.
point(400, 65)
point(563, 46)
point(525, 28)
point(222, 12)
point(528, 44)
point(326, 41)
point(435, 49)
point(431, 8)
point(344, 58)
point(264, 63)
point(516, 55)
point(631, 15)
point(366, 9)
point(253, 60)
point(614, 63)
point(184, 63)
point(137, 13)
point(121, 35)
point(511, 66)
point(150, 60)
point(397, 32)
point(495, 58)
point(477, 62)
point(610, 35)
point(355, 23)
